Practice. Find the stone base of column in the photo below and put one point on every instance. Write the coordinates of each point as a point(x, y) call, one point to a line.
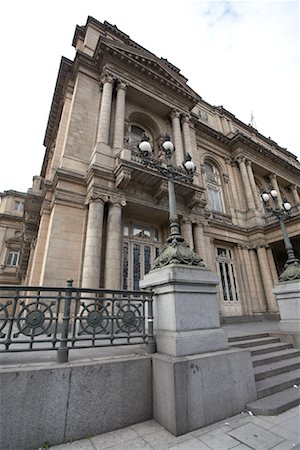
point(194, 391)
point(103, 157)
point(287, 294)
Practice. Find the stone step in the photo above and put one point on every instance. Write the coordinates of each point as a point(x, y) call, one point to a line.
point(247, 337)
point(255, 342)
point(275, 403)
point(267, 358)
point(275, 368)
point(277, 383)
point(269, 348)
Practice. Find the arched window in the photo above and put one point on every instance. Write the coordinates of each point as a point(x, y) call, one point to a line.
point(214, 188)
point(134, 135)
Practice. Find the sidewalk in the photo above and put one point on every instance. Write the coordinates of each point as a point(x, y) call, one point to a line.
point(240, 432)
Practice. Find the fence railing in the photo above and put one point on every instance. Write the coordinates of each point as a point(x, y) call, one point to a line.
point(43, 318)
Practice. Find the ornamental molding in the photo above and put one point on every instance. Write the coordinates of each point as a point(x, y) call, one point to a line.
point(107, 77)
point(94, 196)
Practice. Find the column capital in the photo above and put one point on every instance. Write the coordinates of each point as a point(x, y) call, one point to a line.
point(107, 77)
point(121, 85)
point(116, 200)
point(175, 114)
point(248, 162)
point(260, 244)
point(185, 118)
point(241, 159)
point(272, 176)
point(94, 196)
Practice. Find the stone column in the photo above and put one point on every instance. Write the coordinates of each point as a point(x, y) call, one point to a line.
point(105, 109)
point(186, 134)
point(253, 186)
point(233, 189)
point(258, 281)
point(246, 183)
point(255, 308)
point(113, 257)
point(93, 242)
point(275, 186)
point(187, 232)
point(179, 153)
point(295, 193)
point(199, 241)
point(272, 265)
point(120, 116)
point(266, 278)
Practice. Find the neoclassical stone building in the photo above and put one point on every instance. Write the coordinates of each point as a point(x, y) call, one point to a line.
point(97, 215)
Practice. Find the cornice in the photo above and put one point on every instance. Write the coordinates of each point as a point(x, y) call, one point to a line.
point(240, 139)
point(64, 74)
point(148, 66)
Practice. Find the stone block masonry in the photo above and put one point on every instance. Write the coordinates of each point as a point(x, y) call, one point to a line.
point(62, 403)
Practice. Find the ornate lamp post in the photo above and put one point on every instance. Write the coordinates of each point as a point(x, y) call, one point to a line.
point(176, 249)
point(292, 265)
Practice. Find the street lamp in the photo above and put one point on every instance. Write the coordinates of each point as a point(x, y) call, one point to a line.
point(292, 265)
point(176, 249)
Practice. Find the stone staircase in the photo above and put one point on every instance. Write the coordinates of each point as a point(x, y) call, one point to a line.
point(276, 367)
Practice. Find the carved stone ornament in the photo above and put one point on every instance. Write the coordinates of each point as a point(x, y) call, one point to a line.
point(291, 271)
point(116, 200)
point(177, 251)
point(107, 77)
point(175, 114)
point(96, 197)
point(123, 177)
point(121, 85)
point(185, 118)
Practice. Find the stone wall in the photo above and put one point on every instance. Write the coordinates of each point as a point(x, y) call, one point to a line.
point(62, 403)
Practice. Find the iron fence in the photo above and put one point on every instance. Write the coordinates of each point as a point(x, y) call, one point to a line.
point(44, 318)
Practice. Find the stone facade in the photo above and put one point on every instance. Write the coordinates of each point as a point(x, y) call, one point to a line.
point(98, 216)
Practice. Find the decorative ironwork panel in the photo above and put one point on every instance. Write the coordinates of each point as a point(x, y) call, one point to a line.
point(35, 318)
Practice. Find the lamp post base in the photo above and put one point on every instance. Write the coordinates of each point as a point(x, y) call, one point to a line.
point(291, 271)
point(177, 251)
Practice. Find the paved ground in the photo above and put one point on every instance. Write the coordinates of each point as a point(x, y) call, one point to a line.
point(240, 432)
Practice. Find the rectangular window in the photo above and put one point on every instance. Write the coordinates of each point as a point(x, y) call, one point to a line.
point(13, 258)
point(214, 199)
point(18, 206)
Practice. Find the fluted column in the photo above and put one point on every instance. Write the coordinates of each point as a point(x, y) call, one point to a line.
point(187, 232)
point(105, 109)
point(295, 194)
point(93, 242)
point(179, 153)
point(266, 278)
point(246, 183)
point(120, 116)
point(186, 134)
point(113, 256)
point(253, 186)
point(275, 186)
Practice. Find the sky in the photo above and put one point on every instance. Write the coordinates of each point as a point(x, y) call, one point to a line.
point(243, 55)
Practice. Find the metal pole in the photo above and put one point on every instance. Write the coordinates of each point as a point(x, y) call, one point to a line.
point(173, 216)
point(287, 243)
point(151, 337)
point(63, 351)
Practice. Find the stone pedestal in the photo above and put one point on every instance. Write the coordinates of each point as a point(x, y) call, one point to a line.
point(197, 379)
point(186, 318)
point(287, 294)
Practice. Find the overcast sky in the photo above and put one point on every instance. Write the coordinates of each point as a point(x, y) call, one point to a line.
point(243, 55)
